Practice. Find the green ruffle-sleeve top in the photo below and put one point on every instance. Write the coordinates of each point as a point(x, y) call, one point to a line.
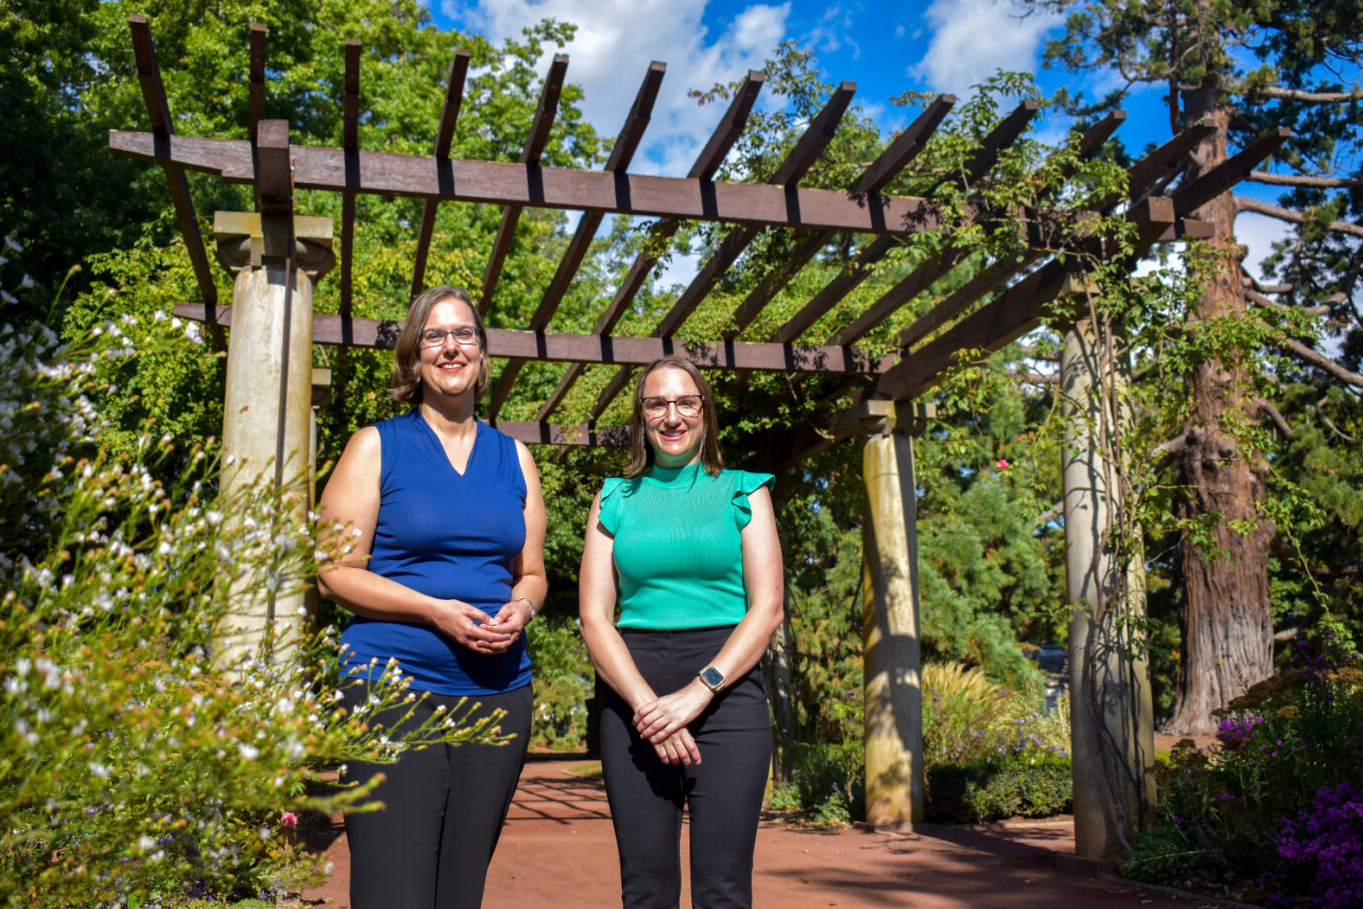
point(678, 545)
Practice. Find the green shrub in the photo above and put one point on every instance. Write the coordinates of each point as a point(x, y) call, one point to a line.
point(563, 682)
point(133, 767)
point(989, 753)
point(826, 783)
point(989, 792)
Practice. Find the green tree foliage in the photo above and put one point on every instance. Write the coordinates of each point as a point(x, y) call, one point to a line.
point(1250, 67)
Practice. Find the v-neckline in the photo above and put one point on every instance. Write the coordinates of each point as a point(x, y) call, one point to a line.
point(440, 446)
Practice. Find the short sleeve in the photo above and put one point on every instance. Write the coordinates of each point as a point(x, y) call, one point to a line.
point(745, 484)
point(609, 516)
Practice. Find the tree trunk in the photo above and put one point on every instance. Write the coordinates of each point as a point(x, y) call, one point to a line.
point(776, 672)
point(1226, 619)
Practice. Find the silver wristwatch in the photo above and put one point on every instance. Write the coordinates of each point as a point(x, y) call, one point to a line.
point(711, 678)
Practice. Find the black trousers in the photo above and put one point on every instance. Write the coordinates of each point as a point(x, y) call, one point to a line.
point(723, 793)
point(429, 847)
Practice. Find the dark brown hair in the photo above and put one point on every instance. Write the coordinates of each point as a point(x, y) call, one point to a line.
point(406, 383)
point(641, 453)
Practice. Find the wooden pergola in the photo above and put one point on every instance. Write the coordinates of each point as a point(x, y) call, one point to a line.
point(287, 253)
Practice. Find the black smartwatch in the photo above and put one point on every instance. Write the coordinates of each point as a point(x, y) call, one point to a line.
point(712, 678)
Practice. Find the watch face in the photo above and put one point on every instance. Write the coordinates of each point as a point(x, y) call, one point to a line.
point(712, 677)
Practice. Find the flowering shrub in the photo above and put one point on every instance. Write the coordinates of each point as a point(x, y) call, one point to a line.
point(134, 770)
point(989, 752)
point(1287, 747)
point(968, 720)
point(1320, 852)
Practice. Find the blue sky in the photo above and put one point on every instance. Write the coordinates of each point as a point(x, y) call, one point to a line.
point(886, 49)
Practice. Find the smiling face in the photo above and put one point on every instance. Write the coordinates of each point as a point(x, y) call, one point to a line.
point(449, 367)
point(676, 439)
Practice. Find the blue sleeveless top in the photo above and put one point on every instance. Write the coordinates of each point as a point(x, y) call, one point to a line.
point(447, 535)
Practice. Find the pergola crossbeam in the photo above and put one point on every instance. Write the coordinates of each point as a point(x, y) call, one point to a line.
point(1194, 195)
point(539, 345)
point(504, 183)
point(1012, 314)
point(999, 139)
point(534, 148)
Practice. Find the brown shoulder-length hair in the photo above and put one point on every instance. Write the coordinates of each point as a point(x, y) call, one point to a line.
point(641, 453)
point(406, 384)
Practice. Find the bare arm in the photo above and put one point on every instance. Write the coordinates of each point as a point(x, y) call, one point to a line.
point(529, 582)
point(350, 511)
point(762, 578)
point(610, 656)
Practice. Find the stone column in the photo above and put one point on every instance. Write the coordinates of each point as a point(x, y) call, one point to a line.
point(269, 361)
point(1112, 724)
point(893, 699)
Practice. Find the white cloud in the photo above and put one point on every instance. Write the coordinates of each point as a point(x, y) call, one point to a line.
point(835, 30)
point(616, 41)
point(1258, 233)
point(973, 38)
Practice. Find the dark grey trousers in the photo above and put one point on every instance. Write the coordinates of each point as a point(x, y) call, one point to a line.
point(430, 846)
point(723, 794)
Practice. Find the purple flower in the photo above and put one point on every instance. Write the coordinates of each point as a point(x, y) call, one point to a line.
point(1235, 732)
point(1320, 852)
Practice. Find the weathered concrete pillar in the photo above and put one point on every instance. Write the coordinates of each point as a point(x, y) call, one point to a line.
point(1112, 724)
point(269, 363)
point(893, 700)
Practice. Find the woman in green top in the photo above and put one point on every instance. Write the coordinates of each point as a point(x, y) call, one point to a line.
point(689, 553)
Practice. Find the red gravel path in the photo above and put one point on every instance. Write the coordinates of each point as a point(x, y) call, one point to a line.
point(558, 850)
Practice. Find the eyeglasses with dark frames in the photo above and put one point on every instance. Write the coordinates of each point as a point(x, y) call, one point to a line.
point(435, 337)
point(655, 408)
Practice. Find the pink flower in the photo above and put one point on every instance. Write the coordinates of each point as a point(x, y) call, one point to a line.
point(1003, 465)
point(288, 819)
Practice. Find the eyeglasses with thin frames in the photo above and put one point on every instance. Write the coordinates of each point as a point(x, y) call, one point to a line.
point(435, 337)
point(688, 406)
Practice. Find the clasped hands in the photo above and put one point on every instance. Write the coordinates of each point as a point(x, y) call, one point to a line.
point(478, 631)
point(662, 723)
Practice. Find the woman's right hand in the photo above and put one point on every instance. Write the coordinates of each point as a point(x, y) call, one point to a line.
point(678, 749)
point(467, 625)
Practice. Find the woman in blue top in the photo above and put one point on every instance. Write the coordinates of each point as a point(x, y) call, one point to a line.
point(443, 524)
point(689, 553)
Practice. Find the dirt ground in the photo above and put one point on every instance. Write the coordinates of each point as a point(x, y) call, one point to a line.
point(558, 850)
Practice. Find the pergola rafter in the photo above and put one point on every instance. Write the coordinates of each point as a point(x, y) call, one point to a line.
point(530, 158)
point(816, 216)
point(444, 138)
point(621, 156)
point(707, 162)
point(797, 163)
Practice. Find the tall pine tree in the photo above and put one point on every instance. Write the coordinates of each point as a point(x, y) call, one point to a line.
point(1244, 67)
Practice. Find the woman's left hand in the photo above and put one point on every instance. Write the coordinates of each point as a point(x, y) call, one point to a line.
point(663, 716)
point(511, 618)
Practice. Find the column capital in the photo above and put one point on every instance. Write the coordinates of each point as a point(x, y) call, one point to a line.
point(885, 417)
point(246, 239)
